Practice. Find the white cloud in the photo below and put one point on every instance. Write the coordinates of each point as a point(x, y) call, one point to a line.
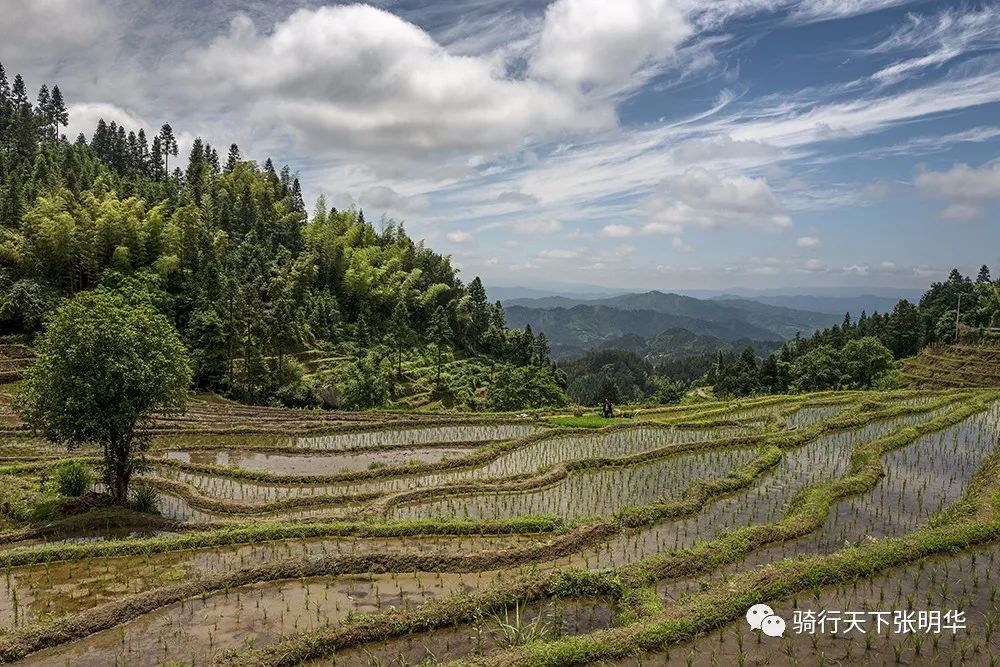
point(83, 117)
point(857, 269)
point(538, 226)
point(649, 229)
point(459, 237)
point(384, 197)
point(357, 77)
point(699, 197)
point(795, 120)
point(517, 197)
point(807, 241)
point(967, 189)
point(815, 265)
point(811, 11)
point(721, 147)
point(962, 212)
point(944, 36)
point(763, 271)
point(617, 231)
point(558, 254)
point(596, 42)
point(50, 30)
point(962, 182)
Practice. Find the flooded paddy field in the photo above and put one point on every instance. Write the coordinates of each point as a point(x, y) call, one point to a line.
point(575, 536)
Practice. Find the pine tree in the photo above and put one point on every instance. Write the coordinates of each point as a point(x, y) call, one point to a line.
point(168, 145)
point(143, 153)
point(479, 310)
point(542, 348)
point(156, 158)
point(101, 141)
point(298, 204)
point(401, 333)
point(984, 275)
point(60, 116)
point(233, 159)
point(19, 96)
point(439, 332)
point(44, 105)
point(4, 87)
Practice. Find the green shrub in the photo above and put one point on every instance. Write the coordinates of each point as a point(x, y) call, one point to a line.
point(669, 393)
point(73, 478)
point(367, 383)
point(145, 499)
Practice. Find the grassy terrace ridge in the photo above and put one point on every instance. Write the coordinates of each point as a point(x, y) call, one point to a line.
point(626, 583)
point(947, 366)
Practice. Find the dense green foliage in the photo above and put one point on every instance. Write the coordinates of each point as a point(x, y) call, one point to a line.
point(104, 365)
point(860, 354)
point(615, 375)
point(228, 250)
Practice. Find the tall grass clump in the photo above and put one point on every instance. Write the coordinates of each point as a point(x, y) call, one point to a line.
point(73, 478)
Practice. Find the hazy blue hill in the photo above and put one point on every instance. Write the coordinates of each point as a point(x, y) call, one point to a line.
point(835, 305)
point(633, 321)
point(583, 327)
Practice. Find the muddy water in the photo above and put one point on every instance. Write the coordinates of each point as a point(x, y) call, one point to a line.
point(37, 592)
point(968, 583)
point(550, 620)
point(405, 437)
point(194, 631)
point(524, 460)
point(921, 479)
point(810, 415)
point(825, 458)
point(594, 493)
point(311, 464)
point(418, 436)
point(175, 507)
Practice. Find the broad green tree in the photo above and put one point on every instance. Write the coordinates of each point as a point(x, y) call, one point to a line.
point(866, 360)
point(104, 367)
point(820, 368)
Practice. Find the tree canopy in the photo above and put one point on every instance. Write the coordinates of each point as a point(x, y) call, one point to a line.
point(104, 366)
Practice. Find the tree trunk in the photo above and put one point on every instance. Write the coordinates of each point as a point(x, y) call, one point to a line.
point(118, 468)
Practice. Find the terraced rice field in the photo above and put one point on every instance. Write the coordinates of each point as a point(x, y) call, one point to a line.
point(951, 366)
point(293, 538)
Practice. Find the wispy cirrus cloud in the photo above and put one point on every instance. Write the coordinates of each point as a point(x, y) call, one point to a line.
point(936, 39)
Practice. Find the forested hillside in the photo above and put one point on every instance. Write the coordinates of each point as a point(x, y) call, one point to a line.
point(857, 353)
point(862, 352)
point(253, 283)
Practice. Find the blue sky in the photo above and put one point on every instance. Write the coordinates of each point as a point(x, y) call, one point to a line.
point(657, 144)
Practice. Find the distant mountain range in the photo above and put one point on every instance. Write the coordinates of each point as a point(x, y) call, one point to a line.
point(575, 325)
point(838, 305)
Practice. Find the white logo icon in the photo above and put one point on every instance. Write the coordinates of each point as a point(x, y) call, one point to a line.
point(757, 613)
point(773, 626)
point(761, 617)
